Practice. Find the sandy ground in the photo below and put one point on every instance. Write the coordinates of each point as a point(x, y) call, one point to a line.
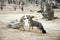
point(8, 14)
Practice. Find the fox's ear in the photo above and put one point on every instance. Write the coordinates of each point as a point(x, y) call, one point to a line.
point(32, 16)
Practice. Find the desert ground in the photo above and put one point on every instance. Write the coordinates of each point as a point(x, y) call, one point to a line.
point(8, 14)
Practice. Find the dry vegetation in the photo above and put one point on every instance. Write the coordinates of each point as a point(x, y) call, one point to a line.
point(8, 14)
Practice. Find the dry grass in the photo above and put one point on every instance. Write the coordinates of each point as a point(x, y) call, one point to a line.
point(52, 27)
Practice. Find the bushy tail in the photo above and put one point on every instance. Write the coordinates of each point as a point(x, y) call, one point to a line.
point(43, 31)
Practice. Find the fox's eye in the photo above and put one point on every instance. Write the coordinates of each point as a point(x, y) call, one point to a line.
point(27, 18)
